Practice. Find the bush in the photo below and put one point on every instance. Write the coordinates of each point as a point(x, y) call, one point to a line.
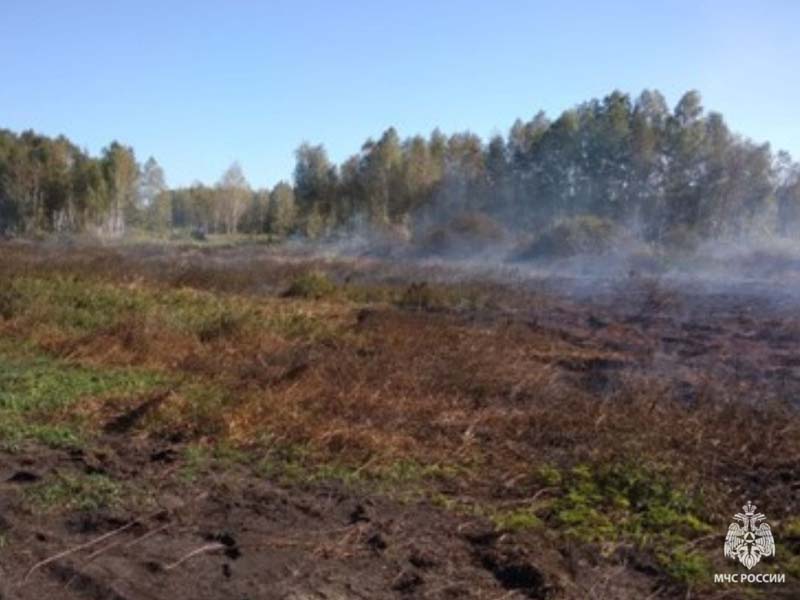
point(583, 234)
point(312, 285)
point(390, 240)
point(466, 234)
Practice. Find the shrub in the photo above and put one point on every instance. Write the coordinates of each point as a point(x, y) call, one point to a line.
point(583, 234)
point(311, 285)
point(465, 234)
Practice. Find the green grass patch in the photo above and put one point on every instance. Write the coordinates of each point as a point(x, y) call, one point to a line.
point(14, 432)
point(43, 384)
point(36, 389)
point(198, 459)
point(520, 519)
point(75, 492)
point(71, 302)
point(292, 464)
point(203, 314)
point(82, 305)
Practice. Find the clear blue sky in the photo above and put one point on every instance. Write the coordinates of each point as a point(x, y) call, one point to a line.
point(200, 84)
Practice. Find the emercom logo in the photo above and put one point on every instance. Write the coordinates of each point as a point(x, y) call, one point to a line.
point(749, 577)
point(749, 539)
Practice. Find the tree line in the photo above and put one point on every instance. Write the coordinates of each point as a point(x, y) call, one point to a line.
point(668, 173)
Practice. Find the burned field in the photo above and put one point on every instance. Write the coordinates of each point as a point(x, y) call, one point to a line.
point(199, 422)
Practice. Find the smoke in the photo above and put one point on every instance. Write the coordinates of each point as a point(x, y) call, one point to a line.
point(583, 257)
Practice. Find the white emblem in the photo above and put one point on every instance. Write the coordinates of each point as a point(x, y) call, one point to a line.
point(749, 539)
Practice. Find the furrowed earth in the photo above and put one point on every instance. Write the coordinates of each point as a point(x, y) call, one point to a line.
point(211, 421)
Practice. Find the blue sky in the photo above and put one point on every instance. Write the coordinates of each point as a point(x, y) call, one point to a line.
point(201, 84)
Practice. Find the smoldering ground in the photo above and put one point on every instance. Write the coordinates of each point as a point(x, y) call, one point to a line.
point(468, 426)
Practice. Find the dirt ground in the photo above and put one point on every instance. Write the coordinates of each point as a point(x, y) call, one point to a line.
point(255, 539)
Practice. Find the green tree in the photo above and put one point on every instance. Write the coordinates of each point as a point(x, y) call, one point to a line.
point(153, 196)
point(315, 188)
point(282, 210)
point(122, 174)
point(233, 195)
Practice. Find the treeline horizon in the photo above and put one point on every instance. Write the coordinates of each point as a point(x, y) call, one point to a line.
point(668, 174)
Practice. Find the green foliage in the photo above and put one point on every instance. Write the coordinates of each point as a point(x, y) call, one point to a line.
point(297, 464)
point(686, 566)
point(313, 285)
point(202, 314)
point(14, 431)
point(206, 409)
point(516, 520)
point(282, 210)
point(42, 384)
point(35, 390)
point(628, 499)
point(121, 174)
point(83, 305)
point(286, 463)
point(75, 492)
point(232, 197)
point(314, 224)
point(548, 475)
point(680, 174)
point(72, 302)
point(629, 503)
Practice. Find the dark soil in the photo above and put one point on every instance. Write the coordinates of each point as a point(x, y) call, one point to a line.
point(253, 539)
